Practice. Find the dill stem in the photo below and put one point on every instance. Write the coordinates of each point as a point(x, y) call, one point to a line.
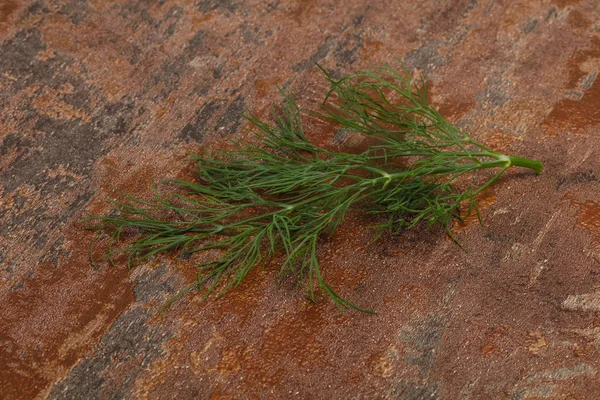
point(535, 165)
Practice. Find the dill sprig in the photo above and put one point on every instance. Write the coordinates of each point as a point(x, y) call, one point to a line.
point(284, 196)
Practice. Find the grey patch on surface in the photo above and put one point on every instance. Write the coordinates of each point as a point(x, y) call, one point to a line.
point(423, 337)
point(217, 72)
point(136, 13)
point(207, 6)
point(494, 94)
point(13, 142)
point(38, 7)
point(19, 59)
point(577, 178)
point(171, 72)
point(588, 81)
point(64, 142)
point(252, 35)
point(346, 50)
point(130, 340)
point(196, 45)
point(552, 14)
point(341, 136)
point(272, 6)
point(172, 19)
point(193, 131)
point(582, 302)
point(464, 123)
point(499, 238)
point(414, 391)
point(44, 143)
point(320, 54)
point(358, 20)
point(56, 250)
point(18, 55)
point(562, 373)
point(231, 119)
point(154, 284)
point(115, 118)
point(530, 26)
point(426, 58)
point(574, 95)
point(76, 10)
point(448, 16)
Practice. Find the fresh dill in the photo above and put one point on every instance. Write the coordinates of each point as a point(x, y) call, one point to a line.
point(284, 195)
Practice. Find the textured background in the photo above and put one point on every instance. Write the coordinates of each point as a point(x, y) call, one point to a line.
point(112, 93)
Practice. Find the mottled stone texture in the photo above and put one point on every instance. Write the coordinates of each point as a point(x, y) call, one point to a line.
point(104, 94)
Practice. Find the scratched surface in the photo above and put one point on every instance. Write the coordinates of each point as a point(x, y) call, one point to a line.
point(103, 94)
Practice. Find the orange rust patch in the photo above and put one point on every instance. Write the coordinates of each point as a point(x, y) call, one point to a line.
point(264, 86)
point(7, 8)
point(492, 336)
point(300, 13)
point(499, 141)
point(588, 218)
point(565, 3)
point(218, 395)
point(78, 302)
point(292, 338)
point(197, 20)
point(577, 115)
point(242, 301)
point(484, 200)
point(371, 48)
point(230, 361)
point(455, 111)
point(578, 19)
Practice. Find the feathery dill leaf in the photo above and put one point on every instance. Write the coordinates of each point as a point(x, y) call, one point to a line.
point(254, 202)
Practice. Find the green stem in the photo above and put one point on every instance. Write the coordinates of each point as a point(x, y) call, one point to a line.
point(535, 165)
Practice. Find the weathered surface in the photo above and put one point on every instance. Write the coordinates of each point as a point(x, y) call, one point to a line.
point(113, 93)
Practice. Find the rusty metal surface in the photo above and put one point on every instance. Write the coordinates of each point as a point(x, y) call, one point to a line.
point(101, 93)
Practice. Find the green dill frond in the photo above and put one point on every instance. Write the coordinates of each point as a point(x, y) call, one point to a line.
point(283, 197)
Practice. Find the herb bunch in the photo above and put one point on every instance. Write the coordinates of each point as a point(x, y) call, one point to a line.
point(284, 196)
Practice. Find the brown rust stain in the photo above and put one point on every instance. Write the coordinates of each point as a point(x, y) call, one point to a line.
point(301, 12)
point(243, 300)
point(484, 200)
point(293, 340)
point(264, 86)
point(492, 336)
point(219, 395)
point(107, 49)
point(78, 302)
point(500, 141)
point(588, 217)
point(199, 19)
point(231, 361)
point(7, 8)
point(566, 3)
point(578, 19)
point(371, 48)
point(577, 115)
point(454, 111)
point(383, 363)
